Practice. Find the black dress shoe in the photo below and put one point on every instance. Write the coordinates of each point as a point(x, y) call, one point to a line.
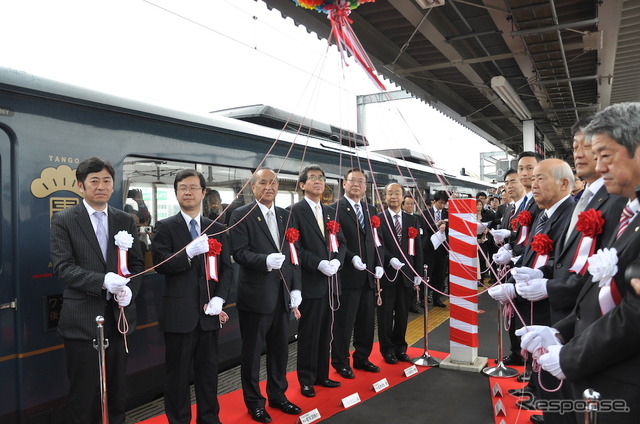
point(345, 372)
point(513, 359)
point(366, 366)
point(403, 357)
point(390, 359)
point(328, 383)
point(439, 304)
point(260, 415)
point(524, 377)
point(537, 419)
point(307, 391)
point(286, 407)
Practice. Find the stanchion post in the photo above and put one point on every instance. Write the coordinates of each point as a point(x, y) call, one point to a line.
point(591, 398)
point(101, 344)
point(426, 360)
point(500, 370)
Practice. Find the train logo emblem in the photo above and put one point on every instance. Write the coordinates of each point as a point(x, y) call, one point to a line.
point(53, 180)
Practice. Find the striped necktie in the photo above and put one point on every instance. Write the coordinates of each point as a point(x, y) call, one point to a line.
point(319, 218)
point(398, 227)
point(626, 216)
point(356, 206)
point(541, 222)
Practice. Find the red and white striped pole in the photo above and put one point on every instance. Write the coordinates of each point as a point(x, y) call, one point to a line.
point(463, 286)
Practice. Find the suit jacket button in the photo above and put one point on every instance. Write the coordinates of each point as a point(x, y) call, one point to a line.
point(558, 265)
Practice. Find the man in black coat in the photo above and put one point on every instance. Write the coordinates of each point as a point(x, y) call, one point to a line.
point(85, 260)
point(323, 248)
point(437, 255)
point(596, 346)
point(403, 269)
point(363, 263)
point(269, 284)
point(192, 300)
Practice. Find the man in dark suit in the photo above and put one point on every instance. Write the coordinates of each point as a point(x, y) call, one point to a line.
point(85, 260)
point(269, 284)
point(403, 268)
point(363, 263)
point(596, 346)
point(192, 300)
point(409, 206)
point(437, 255)
point(322, 254)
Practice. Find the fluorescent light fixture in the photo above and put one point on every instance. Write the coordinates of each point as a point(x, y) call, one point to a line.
point(427, 4)
point(508, 95)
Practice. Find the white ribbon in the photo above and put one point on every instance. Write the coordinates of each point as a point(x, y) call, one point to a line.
point(293, 253)
point(376, 239)
point(582, 254)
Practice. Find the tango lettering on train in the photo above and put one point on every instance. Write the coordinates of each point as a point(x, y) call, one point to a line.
point(54, 180)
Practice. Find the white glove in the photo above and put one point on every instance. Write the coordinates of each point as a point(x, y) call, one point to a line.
point(275, 261)
point(534, 337)
point(500, 235)
point(396, 264)
point(533, 290)
point(325, 267)
point(525, 273)
point(198, 246)
point(503, 255)
point(335, 264)
point(296, 298)
point(502, 292)
point(214, 307)
point(124, 296)
point(357, 263)
point(114, 282)
point(417, 280)
point(379, 272)
point(550, 362)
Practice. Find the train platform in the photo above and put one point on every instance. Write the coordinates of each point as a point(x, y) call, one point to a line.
point(432, 395)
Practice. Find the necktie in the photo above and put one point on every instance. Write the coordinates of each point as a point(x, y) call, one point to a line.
point(319, 219)
point(193, 229)
point(512, 213)
point(541, 222)
point(523, 204)
point(580, 207)
point(437, 215)
point(101, 233)
point(356, 206)
point(273, 227)
point(627, 213)
point(396, 223)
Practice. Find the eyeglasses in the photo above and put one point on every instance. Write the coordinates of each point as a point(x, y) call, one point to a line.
point(184, 188)
point(360, 181)
point(317, 178)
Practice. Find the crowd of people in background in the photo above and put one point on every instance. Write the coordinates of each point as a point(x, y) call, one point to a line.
point(567, 237)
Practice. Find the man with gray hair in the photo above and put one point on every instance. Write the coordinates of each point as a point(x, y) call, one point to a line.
point(596, 346)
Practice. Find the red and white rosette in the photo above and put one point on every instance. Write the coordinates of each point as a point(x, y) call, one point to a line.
point(524, 219)
point(292, 235)
point(590, 224)
point(124, 241)
point(211, 263)
point(375, 224)
point(333, 227)
point(413, 233)
point(542, 245)
point(603, 266)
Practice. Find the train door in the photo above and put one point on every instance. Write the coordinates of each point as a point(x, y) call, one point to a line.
point(8, 308)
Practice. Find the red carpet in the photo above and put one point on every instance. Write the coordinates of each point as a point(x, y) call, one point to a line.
point(327, 401)
point(512, 414)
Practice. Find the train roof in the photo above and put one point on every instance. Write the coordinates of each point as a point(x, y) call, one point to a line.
point(40, 86)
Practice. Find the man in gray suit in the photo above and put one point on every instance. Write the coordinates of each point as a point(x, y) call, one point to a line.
point(85, 260)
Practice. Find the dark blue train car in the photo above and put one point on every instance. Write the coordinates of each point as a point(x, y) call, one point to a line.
point(46, 129)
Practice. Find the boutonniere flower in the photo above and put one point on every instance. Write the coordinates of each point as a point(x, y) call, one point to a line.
point(211, 263)
point(375, 224)
point(590, 224)
point(292, 235)
point(542, 245)
point(524, 219)
point(412, 233)
point(333, 227)
point(603, 266)
point(124, 241)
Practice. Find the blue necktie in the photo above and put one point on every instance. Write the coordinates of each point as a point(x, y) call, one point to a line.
point(193, 229)
point(356, 206)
